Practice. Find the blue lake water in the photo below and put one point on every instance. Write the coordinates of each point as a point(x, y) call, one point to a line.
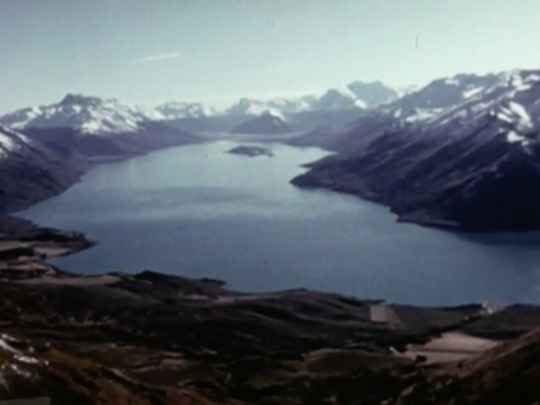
point(198, 211)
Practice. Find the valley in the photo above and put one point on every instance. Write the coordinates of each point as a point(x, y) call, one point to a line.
point(243, 202)
point(329, 298)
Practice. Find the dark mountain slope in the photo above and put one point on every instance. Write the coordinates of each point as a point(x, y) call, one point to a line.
point(30, 171)
point(466, 159)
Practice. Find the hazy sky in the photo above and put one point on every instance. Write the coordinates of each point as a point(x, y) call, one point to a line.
point(150, 51)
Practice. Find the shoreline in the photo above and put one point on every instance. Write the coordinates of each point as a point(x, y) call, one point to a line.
point(434, 223)
point(154, 336)
point(162, 338)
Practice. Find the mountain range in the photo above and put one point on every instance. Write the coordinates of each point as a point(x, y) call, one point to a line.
point(462, 152)
point(94, 116)
point(96, 127)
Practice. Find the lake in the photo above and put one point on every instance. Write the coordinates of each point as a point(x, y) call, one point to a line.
point(198, 211)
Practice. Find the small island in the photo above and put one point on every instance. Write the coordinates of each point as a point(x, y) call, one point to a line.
point(251, 151)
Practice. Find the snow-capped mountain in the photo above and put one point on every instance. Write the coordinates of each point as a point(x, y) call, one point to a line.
point(356, 95)
point(96, 127)
point(335, 100)
point(461, 152)
point(266, 123)
point(372, 94)
point(88, 115)
point(508, 98)
point(181, 110)
point(282, 107)
point(279, 107)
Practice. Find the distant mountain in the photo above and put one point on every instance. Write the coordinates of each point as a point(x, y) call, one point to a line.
point(372, 94)
point(335, 107)
point(444, 94)
point(336, 100)
point(87, 115)
point(279, 107)
point(266, 123)
point(30, 172)
point(182, 110)
point(96, 127)
point(356, 95)
point(462, 152)
point(405, 90)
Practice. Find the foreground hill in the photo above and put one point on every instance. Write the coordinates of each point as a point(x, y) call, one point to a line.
point(160, 339)
point(461, 153)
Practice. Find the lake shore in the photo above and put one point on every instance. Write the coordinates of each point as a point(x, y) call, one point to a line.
point(169, 339)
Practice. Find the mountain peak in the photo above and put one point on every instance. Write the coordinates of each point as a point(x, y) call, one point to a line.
point(72, 98)
point(86, 114)
point(265, 123)
point(372, 94)
point(180, 109)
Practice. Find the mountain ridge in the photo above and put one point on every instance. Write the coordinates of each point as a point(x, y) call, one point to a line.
point(441, 156)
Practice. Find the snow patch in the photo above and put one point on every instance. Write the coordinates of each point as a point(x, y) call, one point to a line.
point(360, 103)
point(422, 114)
point(26, 359)
point(7, 143)
point(517, 115)
point(4, 345)
point(452, 81)
point(470, 93)
point(514, 137)
point(521, 112)
point(17, 370)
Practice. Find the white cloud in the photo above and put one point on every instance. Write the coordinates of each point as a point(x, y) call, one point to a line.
point(158, 58)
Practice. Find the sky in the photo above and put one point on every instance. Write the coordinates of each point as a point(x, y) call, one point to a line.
point(215, 51)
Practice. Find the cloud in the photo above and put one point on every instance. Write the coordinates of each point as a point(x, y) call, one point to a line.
point(158, 58)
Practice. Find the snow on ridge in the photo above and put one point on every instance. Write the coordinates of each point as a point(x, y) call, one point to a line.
point(90, 115)
point(179, 110)
point(453, 81)
point(424, 115)
point(521, 112)
point(11, 141)
point(360, 103)
point(276, 106)
point(514, 137)
point(515, 114)
point(4, 345)
point(517, 81)
point(272, 111)
point(472, 92)
point(345, 91)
